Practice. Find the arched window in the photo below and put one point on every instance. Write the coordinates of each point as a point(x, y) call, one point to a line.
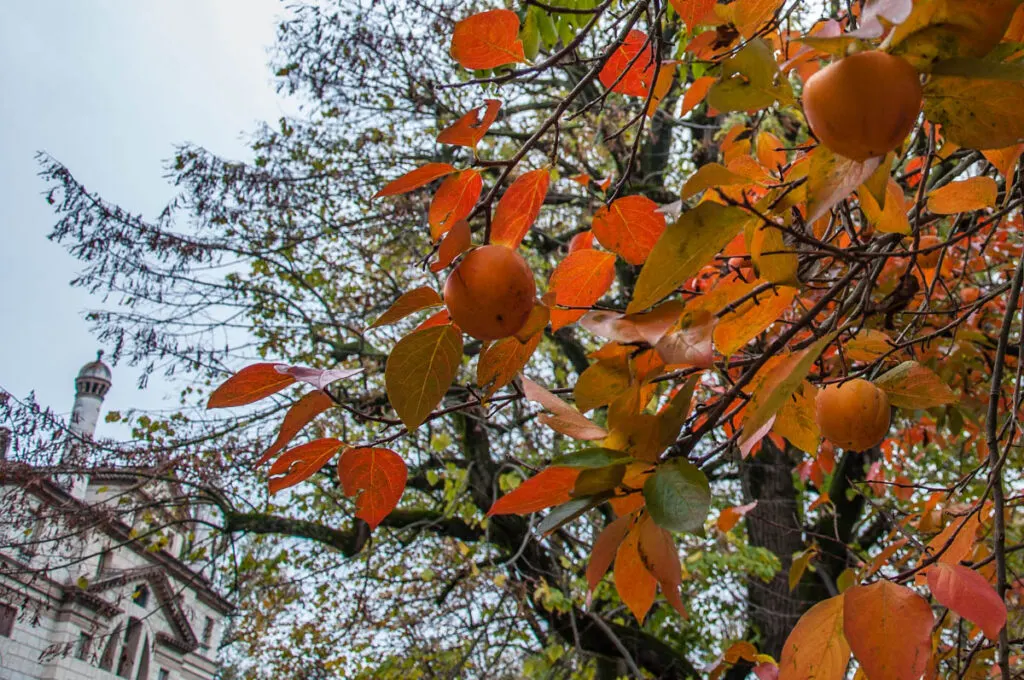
point(143, 673)
point(110, 650)
point(132, 635)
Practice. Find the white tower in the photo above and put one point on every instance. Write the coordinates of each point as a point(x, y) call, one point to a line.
point(91, 386)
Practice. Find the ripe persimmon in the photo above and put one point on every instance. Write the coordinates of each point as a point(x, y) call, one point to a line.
point(929, 260)
point(863, 106)
point(853, 415)
point(490, 293)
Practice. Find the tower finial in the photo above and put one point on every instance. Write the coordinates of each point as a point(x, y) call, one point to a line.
point(99, 355)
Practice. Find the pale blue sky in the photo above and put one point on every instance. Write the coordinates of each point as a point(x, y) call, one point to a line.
point(108, 87)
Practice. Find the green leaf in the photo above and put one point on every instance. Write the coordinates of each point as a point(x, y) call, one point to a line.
point(750, 80)
point(598, 480)
point(685, 247)
point(567, 512)
point(678, 496)
point(594, 457)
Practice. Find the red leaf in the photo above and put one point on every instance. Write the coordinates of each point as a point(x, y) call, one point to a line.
point(889, 630)
point(692, 11)
point(967, 593)
point(519, 207)
point(635, 584)
point(454, 200)
point(549, 487)
point(298, 464)
point(471, 128)
point(630, 227)
point(579, 281)
point(299, 415)
point(251, 384)
point(415, 179)
point(378, 476)
point(637, 79)
point(605, 547)
point(487, 40)
point(456, 242)
point(409, 302)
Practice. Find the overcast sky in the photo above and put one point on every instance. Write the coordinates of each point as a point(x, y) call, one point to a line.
point(108, 87)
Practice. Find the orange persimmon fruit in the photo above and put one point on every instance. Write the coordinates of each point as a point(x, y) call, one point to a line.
point(853, 415)
point(490, 293)
point(864, 105)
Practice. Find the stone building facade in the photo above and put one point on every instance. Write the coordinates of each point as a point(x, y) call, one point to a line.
point(82, 594)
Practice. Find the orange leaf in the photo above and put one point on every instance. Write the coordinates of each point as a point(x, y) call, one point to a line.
point(966, 196)
point(583, 179)
point(966, 592)
point(816, 647)
point(471, 128)
point(549, 487)
point(692, 11)
point(695, 93)
point(738, 327)
point(566, 419)
point(635, 584)
point(661, 557)
point(1005, 159)
point(647, 327)
point(440, 318)
point(889, 630)
point(502, 360)
point(749, 16)
point(299, 415)
point(581, 241)
point(251, 384)
point(454, 201)
point(637, 54)
point(831, 178)
point(629, 227)
point(408, 303)
point(456, 242)
point(298, 464)
point(378, 476)
point(519, 207)
point(414, 179)
point(487, 40)
point(959, 535)
point(729, 517)
point(579, 281)
point(605, 547)
point(689, 340)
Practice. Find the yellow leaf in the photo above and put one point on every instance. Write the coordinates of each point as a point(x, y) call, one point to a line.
point(965, 196)
point(737, 327)
point(911, 385)
point(772, 259)
point(602, 383)
point(710, 176)
point(685, 247)
point(831, 178)
point(796, 421)
point(801, 561)
point(892, 219)
point(945, 29)
point(420, 370)
point(977, 113)
point(1005, 159)
point(502, 360)
point(868, 345)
